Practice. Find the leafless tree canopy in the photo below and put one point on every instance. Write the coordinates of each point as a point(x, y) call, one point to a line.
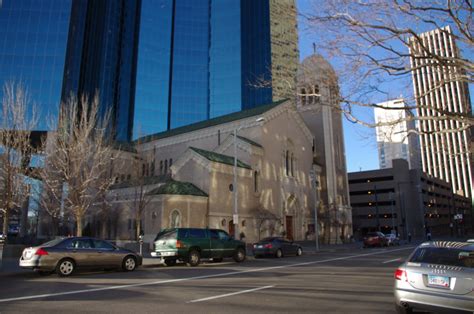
point(77, 166)
point(375, 45)
point(18, 117)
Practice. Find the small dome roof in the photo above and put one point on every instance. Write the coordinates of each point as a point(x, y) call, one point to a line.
point(315, 69)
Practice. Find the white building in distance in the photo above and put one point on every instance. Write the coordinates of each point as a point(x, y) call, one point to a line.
point(394, 137)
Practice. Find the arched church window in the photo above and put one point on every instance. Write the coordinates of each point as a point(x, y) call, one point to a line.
point(175, 221)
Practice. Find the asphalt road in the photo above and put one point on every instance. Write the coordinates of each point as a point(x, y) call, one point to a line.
point(355, 281)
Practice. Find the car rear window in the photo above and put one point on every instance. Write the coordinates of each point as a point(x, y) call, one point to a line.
point(53, 242)
point(444, 256)
point(166, 235)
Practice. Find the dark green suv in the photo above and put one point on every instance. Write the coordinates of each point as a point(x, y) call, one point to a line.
point(191, 244)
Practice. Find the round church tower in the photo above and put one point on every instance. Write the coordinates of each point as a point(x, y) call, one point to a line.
point(318, 102)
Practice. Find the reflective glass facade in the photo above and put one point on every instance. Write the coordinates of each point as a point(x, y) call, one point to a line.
point(208, 61)
point(156, 64)
point(153, 68)
point(33, 37)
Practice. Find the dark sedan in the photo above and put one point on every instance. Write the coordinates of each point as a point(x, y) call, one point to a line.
point(65, 255)
point(276, 246)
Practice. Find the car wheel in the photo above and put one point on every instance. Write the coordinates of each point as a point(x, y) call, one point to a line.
point(278, 253)
point(170, 262)
point(239, 255)
point(402, 310)
point(217, 259)
point(129, 263)
point(65, 267)
point(194, 258)
point(299, 252)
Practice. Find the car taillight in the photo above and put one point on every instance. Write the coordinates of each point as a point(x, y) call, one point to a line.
point(180, 245)
point(41, 252)
point(400, 274)
point(268, 246)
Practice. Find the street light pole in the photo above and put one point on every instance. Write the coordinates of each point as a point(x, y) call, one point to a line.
point(234, 186)
point(316, 203)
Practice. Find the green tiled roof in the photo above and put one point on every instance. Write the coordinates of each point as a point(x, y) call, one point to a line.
point(249, 141)
point(211, 122)
point(178, 188)
point(125, 146)
point(223, 159)
point(138, 182)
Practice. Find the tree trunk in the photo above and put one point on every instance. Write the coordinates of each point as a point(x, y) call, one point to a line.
point(79, 226)
point(138, 228)
point(6, 218)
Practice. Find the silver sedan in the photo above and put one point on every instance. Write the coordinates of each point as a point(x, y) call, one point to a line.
point(65, 255)
point(437, 276)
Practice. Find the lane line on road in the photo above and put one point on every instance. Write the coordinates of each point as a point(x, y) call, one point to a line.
point(48, 295)
point(392, 260)
point(229, 294)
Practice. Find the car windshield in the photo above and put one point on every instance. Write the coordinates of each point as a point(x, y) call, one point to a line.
point(444, 256)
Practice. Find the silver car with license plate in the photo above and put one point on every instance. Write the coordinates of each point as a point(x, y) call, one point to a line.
point(438, 276)
point(65, 255)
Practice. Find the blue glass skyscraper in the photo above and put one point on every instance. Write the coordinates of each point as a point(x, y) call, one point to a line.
point(33, 37)
point(199, 59)
point(155, 64)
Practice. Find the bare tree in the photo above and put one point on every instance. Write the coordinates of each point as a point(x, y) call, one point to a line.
point(265, 220)
point(376, 45)
point(18, 118)
point(139, 198)
point(77, 174)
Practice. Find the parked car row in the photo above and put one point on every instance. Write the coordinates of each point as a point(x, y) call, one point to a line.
point(190, 245)
point(379, 239)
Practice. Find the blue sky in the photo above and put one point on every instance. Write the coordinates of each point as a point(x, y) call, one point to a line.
point(360, 141)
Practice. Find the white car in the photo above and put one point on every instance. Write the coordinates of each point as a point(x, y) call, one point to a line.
point(2, 237)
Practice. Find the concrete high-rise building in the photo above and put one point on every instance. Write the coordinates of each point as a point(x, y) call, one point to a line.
point(445, 143)
point(394, 139)
point(157, 64)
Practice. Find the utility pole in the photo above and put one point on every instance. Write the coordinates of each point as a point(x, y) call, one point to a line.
point(391, 203)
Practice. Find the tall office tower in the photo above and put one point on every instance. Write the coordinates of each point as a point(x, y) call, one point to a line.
point(33, 39)
point(156, 64)
point(394, 141)
point(200, 59)
point(438, 88)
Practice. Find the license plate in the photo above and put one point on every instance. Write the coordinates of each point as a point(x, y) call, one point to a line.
point(28, 254)
point(438, 281)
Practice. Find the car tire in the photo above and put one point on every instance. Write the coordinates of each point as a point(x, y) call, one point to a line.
point(65, 267)
point(194, 258)
point(129, 263)
point(402, 310)
point(239, 255)
point(278, 253)
point(299, 252)
point(170, 262)
point(217, 259)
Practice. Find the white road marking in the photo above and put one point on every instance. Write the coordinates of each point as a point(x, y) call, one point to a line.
point(229, 294)
point(392, 260)
point(160, 282)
